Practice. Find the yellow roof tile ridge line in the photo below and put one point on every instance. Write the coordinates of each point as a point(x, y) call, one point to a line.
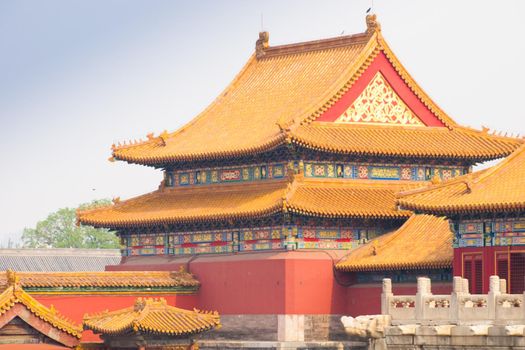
point(414, 86)
point(345, 82)
point(230, 86)
point(381, 241)
point(18, 295)
point(454, 181)
point(494, 169)
point(313, 45)
point(290, 191)
point(486, 132)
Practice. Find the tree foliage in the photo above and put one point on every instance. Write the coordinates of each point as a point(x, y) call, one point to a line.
point(60, 230)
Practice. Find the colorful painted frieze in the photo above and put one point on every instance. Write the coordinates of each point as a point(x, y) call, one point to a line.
point(498, 232)
point(225, 175)
point(381, 171)
point(246, 239)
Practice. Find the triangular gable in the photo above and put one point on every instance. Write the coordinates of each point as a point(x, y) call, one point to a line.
point(15, 304)
point(380, 96)
point(379, 103)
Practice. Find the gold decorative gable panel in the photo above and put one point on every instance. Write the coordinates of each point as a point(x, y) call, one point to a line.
point(379, 103)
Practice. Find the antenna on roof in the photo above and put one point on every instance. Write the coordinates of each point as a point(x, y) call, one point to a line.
point(262, 22)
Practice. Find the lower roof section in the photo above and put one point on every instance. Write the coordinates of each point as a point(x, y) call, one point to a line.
point(105, 281)
point(334, 199)
point(191, 204)
point(423, 242)
point(369, 199)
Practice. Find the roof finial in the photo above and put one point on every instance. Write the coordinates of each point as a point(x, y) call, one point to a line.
point(372, 25)
point(12, 278)
point(261, 44)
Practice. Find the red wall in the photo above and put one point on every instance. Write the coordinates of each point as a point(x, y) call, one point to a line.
point(278, 283)
point(268, 283)
point(488, 257)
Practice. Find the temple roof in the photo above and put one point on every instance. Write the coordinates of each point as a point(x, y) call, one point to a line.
point(14, 294)
point(152, 316)
point(305, 196)
point(424, 241)
point(104, 280)
point(283, 92)
point(500, 188)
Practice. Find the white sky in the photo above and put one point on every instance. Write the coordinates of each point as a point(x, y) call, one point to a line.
point(76, 76)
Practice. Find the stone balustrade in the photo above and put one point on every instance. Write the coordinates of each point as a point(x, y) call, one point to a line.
point(459, 308)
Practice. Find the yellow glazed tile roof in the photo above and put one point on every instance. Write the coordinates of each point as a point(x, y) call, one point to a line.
point(361, 198)
point(104, 279)
point(14, 294)
point(152, 316)
point(424, 241)
point(394, 140)
point(355, 198)
point(282, 89)
point(191, 204)
point(265, 90)
point(500, 188)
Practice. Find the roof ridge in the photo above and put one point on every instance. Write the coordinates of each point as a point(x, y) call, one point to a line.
point(486, 131)
point(263, 50)
point(314, 45)
point(496, 168)
point(432, 186)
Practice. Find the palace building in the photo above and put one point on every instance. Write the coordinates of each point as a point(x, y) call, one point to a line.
point(487, 214)
point(296, 162)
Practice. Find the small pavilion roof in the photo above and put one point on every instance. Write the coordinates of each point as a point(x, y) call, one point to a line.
point(500, 188)
point(14, 294)
point(423, 241)
point(304, 196)
point(152, 316)
point(282, 90)
point(103, 280)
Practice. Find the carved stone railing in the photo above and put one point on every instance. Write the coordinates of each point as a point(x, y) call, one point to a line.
point(460, 307)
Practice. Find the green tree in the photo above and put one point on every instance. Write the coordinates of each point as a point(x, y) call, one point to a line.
point(60, 230)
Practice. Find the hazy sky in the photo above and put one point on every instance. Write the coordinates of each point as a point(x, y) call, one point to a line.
point(76, 76)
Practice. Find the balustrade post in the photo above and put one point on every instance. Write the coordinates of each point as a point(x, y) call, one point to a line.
point(494, 291)
point(423, 291)
point(466, 288)
point(457, 291)
point(503, 286)
point(386, 296)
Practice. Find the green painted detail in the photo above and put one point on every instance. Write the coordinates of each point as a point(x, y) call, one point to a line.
point(181, 290)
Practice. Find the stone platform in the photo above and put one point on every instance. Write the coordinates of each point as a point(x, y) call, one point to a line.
point(258, 345)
